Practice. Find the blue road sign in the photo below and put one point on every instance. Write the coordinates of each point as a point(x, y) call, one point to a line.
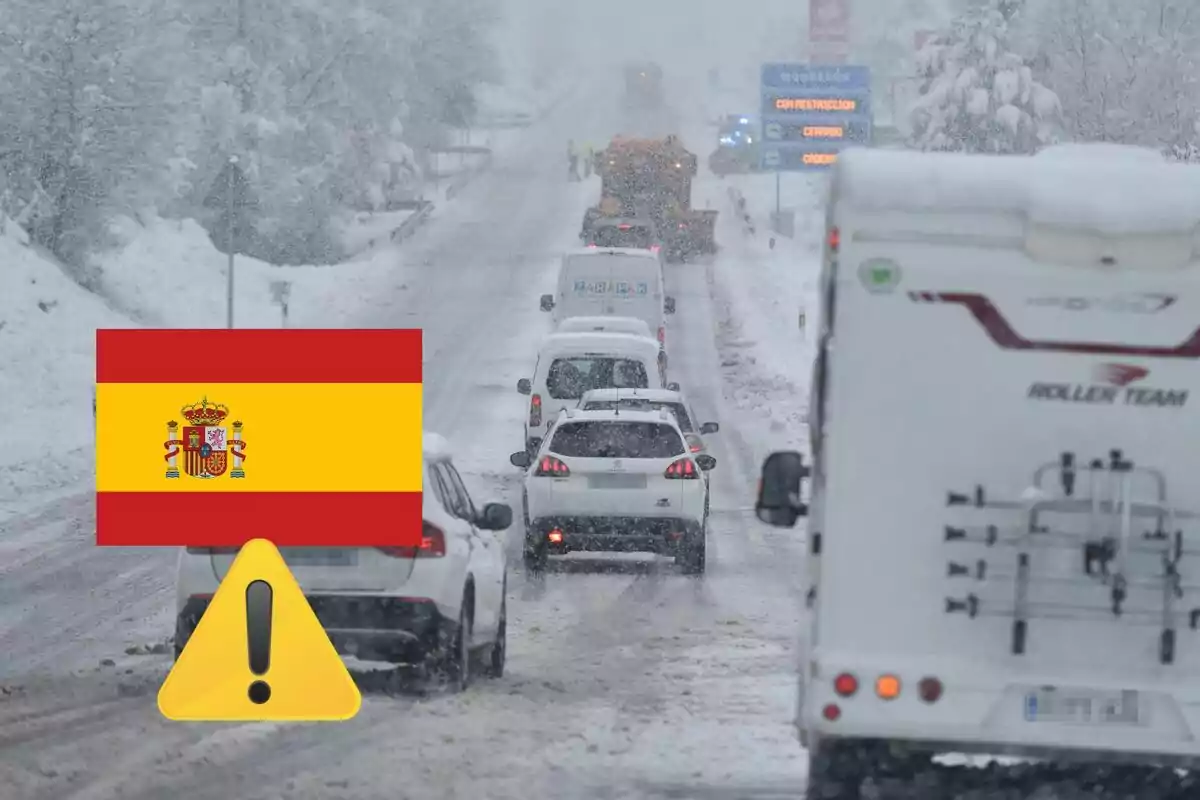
point(812, 111)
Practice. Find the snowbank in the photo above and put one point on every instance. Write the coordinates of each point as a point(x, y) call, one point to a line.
point(47, 347)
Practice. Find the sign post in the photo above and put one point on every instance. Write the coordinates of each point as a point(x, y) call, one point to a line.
point(231, 197)
point(829, 31)
point(811, 112)
point(280, 291)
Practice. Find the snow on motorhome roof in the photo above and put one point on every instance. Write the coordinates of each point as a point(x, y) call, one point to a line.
point(1114, 195)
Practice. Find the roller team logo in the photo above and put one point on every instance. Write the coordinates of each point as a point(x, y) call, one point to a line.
point(1119, 374)
point(207, 446)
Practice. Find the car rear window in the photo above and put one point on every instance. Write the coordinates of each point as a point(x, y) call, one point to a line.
point(615, 439)
point(570, 378)
point(635, 236)
point(641, 404)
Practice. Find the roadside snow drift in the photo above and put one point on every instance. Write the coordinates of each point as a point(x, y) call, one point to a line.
point(47, 357)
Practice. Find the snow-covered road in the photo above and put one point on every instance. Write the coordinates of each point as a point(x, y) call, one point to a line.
point(630, 682)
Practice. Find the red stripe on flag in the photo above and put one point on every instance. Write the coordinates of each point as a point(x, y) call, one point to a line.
point(230, 519)
point(296, 355)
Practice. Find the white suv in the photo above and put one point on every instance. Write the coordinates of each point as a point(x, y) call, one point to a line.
point(615, 481)
point(440, 605)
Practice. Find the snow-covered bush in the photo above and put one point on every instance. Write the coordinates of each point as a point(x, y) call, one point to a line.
point(977, 95)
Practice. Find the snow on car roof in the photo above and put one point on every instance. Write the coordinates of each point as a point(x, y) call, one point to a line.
point(654, 395)
point(595, 252)
point(1100, 192)
point(573, 324)
point(435, 446)
point(579, 415)
point(597, 341)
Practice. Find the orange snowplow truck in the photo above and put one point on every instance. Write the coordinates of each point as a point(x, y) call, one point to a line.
point(652, 178)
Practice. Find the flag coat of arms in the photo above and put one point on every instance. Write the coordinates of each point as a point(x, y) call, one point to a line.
point(211, 438)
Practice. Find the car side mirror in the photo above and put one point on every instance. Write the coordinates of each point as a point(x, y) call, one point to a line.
point(547, 302)
point(778, 501)
point(520, 459)
point(524, 386)
point(495, 517)
point(672, 387)
point(669, 305)
point(710, 427)
point(706, 462)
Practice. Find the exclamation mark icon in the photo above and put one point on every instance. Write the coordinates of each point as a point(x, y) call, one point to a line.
point(258, 631)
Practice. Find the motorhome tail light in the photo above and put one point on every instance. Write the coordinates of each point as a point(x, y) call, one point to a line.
point(212, 551)
point(535, 411)
point(555, 536)
point(835, 239)
point(433, 545)
point(831, 712)
point(845, 684)
point(930, 689)
point(887, 687)
point(551, 467)
point(684, 469)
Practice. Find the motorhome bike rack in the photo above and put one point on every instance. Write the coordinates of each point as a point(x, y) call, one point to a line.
point(1111, 554)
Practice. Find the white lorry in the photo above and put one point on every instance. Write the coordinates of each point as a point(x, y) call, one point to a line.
point(1003, 530)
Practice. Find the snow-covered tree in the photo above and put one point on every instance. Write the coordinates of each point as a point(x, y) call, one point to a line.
point(1126, 72)
point(977, 95)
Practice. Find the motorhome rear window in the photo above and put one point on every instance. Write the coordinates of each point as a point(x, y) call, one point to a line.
point(613, 439)
point(641, 404)
point(570, 378)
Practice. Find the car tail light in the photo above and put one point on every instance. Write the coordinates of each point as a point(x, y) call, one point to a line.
point(682, 225)
point(845, 684)
point(930, 689)
point(212, 551)
point(624, 227)
point(654, 248)
point(592, 246)
point(887, 687)
point(662, 335)
point(433, 545)
point(831, 712)
point(835, 239)
point(535, 411)
point(694, 443)
point(551, 467)
point(683, 469)
point(555, 536)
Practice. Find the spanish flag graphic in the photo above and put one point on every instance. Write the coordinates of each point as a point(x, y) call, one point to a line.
point(211, 438)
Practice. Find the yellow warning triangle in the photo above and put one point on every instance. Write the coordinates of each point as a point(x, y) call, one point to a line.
point(305, 679)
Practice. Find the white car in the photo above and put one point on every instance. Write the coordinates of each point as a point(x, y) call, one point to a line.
point(569, 364)
point(610, 481)
point(672, 400)
point(440, 605)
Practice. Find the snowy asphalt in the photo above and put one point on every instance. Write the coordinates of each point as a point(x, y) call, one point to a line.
point(625, 680)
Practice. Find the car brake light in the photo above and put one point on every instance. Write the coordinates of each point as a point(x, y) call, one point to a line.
point(694, 443)
point(930, 689)
point(835, 239)
point(683, 469)
point(624, 227)
point(535, 411)
point(551, 467)
point(662, 335)
point(887, 687)
point(845, 684)
point(654, 248)
point(433, 545)
point(212, 551)
point(592, 246)
point(555, 536)
point(682, 225)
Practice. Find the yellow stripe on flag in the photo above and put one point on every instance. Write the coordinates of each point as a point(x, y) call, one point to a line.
point(299, 437)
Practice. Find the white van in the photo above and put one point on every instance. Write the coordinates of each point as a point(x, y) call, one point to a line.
point(570, 364)
point(1003, 530)
point(614, 281)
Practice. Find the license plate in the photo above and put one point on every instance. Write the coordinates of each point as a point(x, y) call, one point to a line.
point(319, 556)
point(617, 481)
point(1082, 707)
